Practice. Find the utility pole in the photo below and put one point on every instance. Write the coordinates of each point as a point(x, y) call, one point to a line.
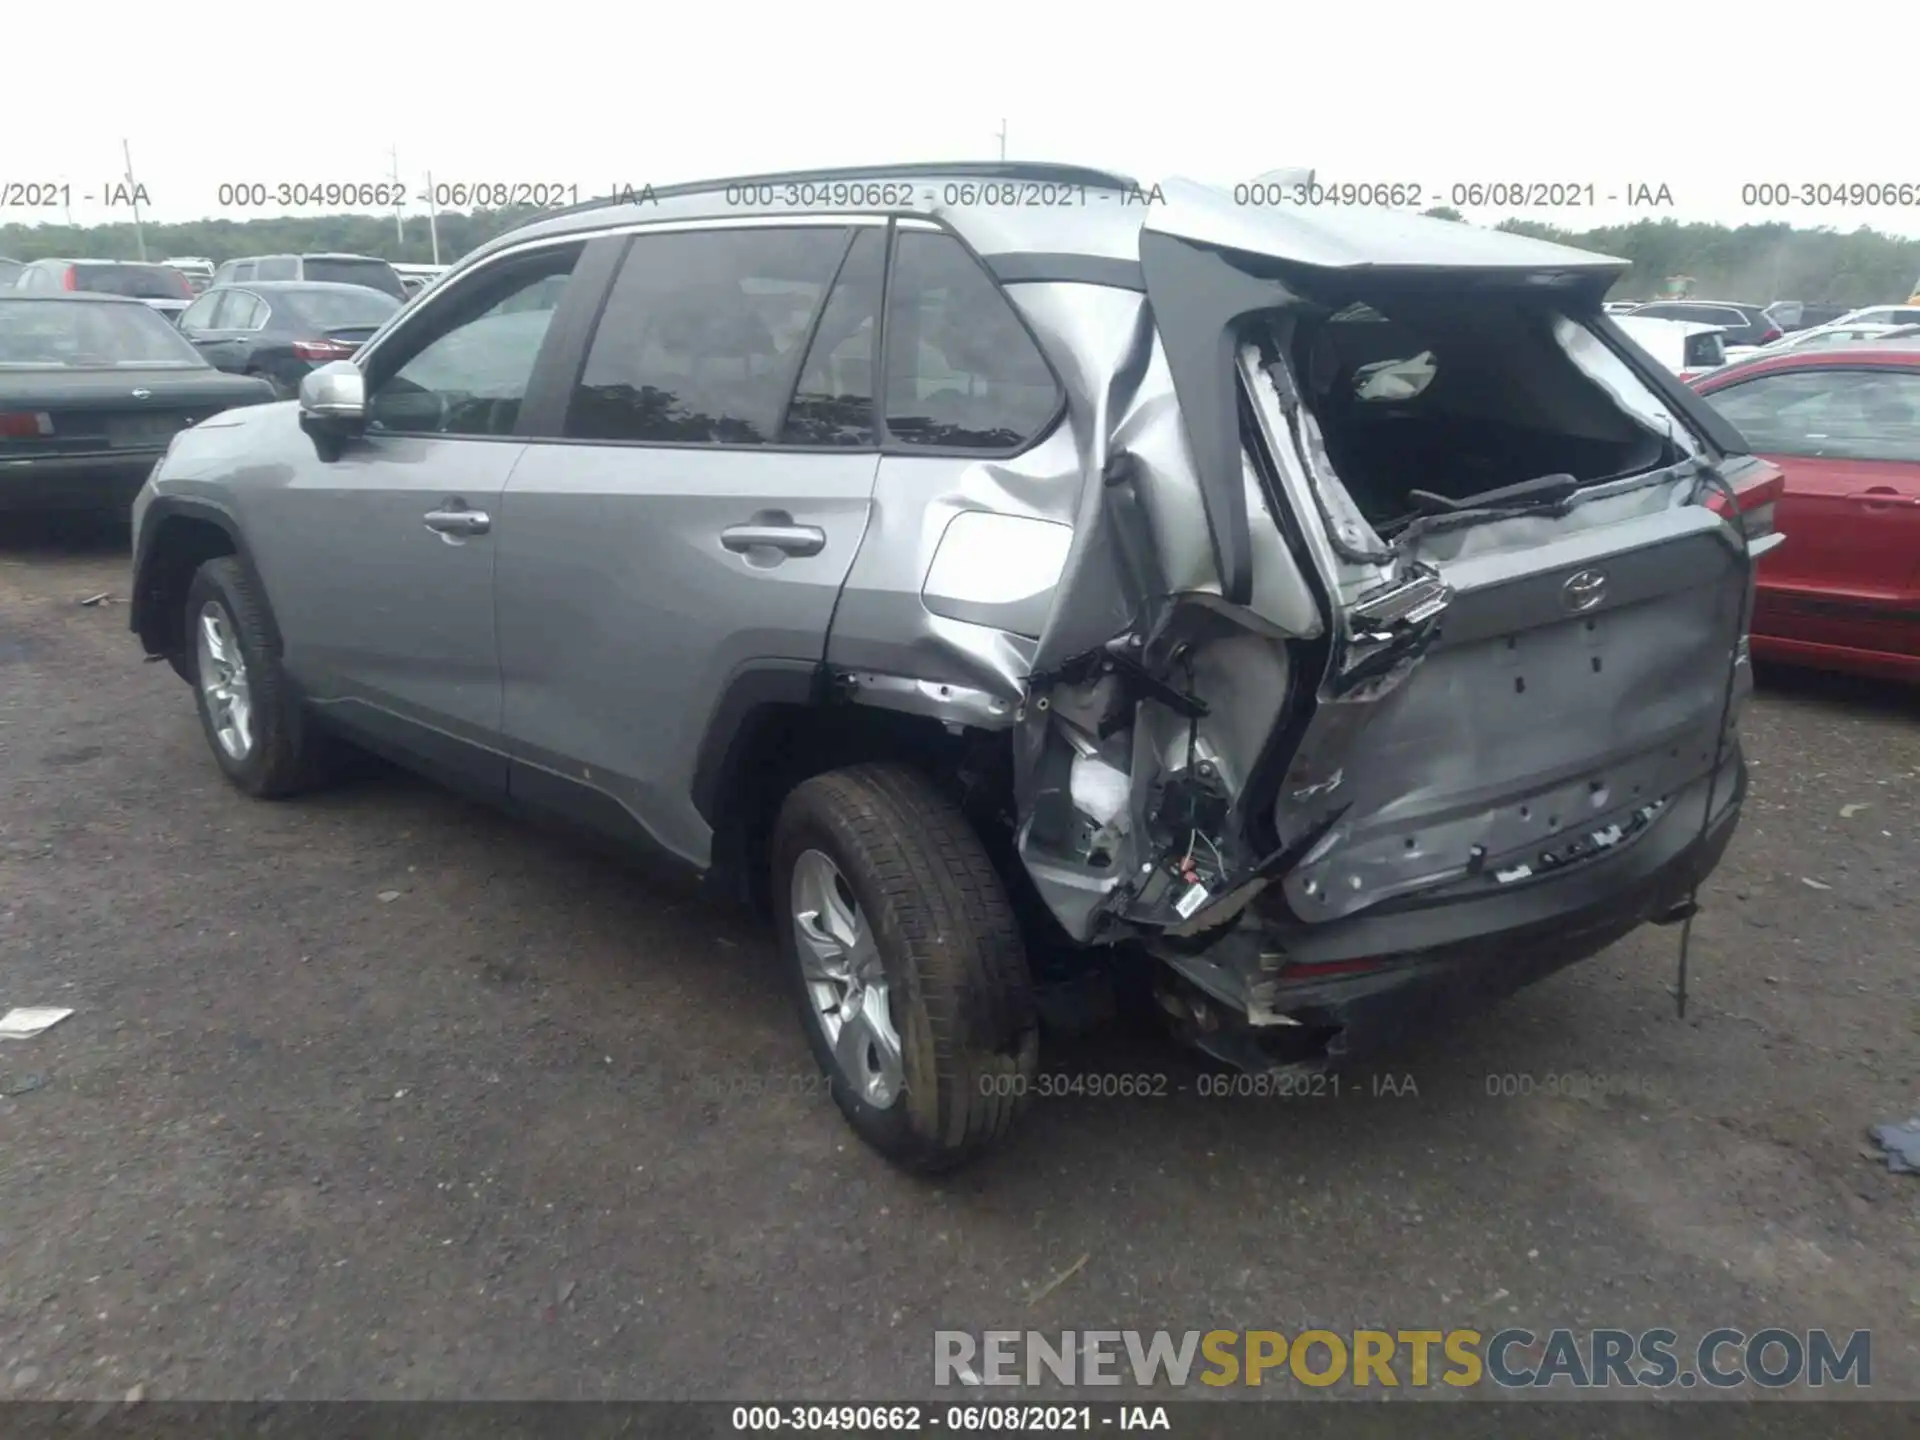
point(433, 218)
point(139, 234)
point(1003, 139)
point(399, 230)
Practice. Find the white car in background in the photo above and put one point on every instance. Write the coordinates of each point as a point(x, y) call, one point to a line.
point(1686, 347)
point(1838, 334)
point(1881, 315)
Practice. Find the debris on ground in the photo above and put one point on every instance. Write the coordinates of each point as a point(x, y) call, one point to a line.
point(23, 1022)
point(387, 897)
point(1902, 1144)
point(101, 599)
point(22, 1085)
point(1060, 1279)
point(1847, 812)
point(1815, 884)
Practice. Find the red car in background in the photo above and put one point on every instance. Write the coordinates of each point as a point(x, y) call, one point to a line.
point(1843, 592)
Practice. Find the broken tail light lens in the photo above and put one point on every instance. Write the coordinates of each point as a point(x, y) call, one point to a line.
point(1757, 491)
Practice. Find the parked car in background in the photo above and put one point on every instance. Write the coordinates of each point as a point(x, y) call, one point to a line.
point(9, 272)
point(1882, 315)
point(418, 277)
point(1825, 335)
point(161, 286)
point(1743, 327)
point(197, 268)
point(93, 388)
point(1792, 315)
point(1686, 347)
point(367, 270)
point(1844, 425)
point(281, 329)
point(1397, 659)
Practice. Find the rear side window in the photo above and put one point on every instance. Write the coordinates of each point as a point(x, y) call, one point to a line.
point(1828, 413)
point(276, 267)
point(833, 403)
point(701, 339)
point(962, 371)
point(374, 274)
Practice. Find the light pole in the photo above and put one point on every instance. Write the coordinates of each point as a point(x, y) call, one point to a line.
point(399, 230)
point(139, 234)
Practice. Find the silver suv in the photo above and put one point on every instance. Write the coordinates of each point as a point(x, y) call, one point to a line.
point(1004, 562)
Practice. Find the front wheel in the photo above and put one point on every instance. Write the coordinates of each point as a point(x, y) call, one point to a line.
point(912, 981)
point(259, 733)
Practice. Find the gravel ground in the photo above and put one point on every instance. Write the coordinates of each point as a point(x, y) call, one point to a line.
point(378, 1095)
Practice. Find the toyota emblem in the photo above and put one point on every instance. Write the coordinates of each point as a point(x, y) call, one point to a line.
point(143, 394)
point(1584, 590)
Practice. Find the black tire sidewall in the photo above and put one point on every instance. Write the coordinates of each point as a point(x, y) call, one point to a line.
point(250, 772)
point(809, 825)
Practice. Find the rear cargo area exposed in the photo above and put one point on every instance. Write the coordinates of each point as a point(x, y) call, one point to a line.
point(1575, 679)
point(1426, 392)
point(1462, 626)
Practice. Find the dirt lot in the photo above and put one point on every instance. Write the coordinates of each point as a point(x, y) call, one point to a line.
point(499, 1134)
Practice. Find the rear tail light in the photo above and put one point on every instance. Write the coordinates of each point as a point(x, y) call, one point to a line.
point(70, 280)
point(1771, 334)
point(25, 424)
point(1758, 490)
point(323, 349)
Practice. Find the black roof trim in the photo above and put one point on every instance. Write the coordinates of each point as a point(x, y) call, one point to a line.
point(1039, 170)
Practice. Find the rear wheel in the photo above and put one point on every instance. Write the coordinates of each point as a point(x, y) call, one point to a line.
point(910, 974)
point(262, 739)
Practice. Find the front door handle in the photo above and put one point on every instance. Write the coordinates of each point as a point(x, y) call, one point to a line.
point(793, 539)
point(459, 522)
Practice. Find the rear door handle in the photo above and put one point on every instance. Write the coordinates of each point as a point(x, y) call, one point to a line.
point(459, 522)
point(793, 539)
point(1883, 497)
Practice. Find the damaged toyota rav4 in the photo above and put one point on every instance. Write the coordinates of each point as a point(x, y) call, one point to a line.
point(1336, 608)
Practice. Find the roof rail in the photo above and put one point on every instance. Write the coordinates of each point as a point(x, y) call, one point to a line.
point(1037, 170)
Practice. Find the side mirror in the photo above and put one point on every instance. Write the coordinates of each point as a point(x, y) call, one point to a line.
point(333, 405)
point(337, 391)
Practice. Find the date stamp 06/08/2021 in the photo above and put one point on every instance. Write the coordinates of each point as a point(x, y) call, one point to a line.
point(1564, 194)
point(1205, 1085)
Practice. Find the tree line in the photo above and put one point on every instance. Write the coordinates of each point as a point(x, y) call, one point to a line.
point(1758, 263)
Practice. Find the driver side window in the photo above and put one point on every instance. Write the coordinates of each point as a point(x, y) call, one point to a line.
point(464, 368)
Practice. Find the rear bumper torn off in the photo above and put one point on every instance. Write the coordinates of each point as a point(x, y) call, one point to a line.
point(1363, 984)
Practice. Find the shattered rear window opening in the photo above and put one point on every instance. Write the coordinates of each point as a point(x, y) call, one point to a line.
point(1428, 402)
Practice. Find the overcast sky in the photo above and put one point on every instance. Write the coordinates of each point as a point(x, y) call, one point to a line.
point(1434, 95)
